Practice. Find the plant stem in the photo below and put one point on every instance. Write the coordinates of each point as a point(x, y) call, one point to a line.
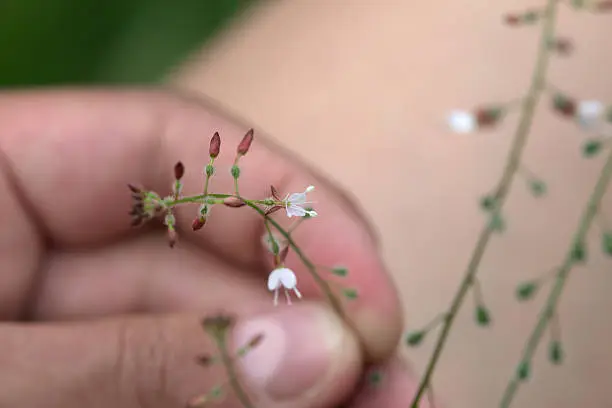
point(512, 164)
point(548, 312)
point(231, 373)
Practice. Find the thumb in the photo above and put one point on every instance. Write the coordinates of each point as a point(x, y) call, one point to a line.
point(305, 358)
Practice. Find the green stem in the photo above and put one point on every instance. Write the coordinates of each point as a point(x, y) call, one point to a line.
point(548, 311)
point(231, 373)
point(512, 164)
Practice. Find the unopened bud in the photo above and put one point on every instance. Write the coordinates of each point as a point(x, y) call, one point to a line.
point(255, 341)
point(179, 170)
point(603, 6)
point(134, 189)
point(198, 223)
point(245, 144)
point(215, 145)
point(234, 202)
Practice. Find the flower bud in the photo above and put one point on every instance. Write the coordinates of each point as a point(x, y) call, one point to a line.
point(179, 170)
point(245, 144)
point(564, 105)
point(198, 223)
point(234, 202)
point(215, 145)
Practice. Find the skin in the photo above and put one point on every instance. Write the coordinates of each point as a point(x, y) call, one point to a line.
point(362, 92)
point(96, 314)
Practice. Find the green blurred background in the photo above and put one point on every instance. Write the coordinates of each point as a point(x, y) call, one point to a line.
point(56, 42)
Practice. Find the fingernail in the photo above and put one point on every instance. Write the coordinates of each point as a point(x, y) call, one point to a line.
point(297, 351)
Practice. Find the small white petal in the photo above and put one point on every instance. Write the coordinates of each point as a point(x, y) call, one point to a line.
point(297, 198)
point(590, 109)
point(309, 189)
point(294, 210)
point(274, 280)
point(462, 122)
point(288, 278)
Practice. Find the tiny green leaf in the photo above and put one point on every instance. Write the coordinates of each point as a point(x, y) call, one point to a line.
point(538, 188)
point(497, 222)
point(488, 203)
point(415, 338)
point(591, 147)
point(526, 290)
point(530, 17)
point(606, 243)
point(555, 352)
point(579, 252)
point(210, 170)
point(350, 293)
point(483, 316)
point(524, 370)
point(340, 271)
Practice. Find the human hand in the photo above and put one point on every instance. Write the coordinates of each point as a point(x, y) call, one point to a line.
point(98, 315)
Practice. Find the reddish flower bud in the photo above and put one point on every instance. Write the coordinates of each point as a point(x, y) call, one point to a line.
point(512, 19)
point(603, 6)
point(255, 341)
point(487, 117)
point(215, 145)
point(179, 170)
point(198, 223)
point(204, 360)
point(245, 144)
point(564, 105)
point(562, 46)
point(134, 189)
point(234, 202)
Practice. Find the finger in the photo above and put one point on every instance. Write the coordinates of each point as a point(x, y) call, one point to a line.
point(306, 358)
point(71, 154)
point(142, 276)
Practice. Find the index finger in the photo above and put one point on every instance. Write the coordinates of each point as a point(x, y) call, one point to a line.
point(71, 154)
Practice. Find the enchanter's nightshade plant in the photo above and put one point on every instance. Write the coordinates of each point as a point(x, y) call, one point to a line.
point(590, 116)
point(148, 205)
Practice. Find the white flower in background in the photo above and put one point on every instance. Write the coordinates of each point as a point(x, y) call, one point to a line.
point(589, 113)
point(283, 278)
point(462, 121)
point(294, 204)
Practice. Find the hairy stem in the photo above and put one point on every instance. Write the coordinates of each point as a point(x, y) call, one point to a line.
point(548, 311)
point(512, 165)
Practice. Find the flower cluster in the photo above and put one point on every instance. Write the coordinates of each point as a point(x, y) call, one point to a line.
point(147, 205)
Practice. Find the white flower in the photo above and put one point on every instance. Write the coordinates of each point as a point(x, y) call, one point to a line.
point(589, 113)
point(294, 204)
point(462, 122)
point(283, 277)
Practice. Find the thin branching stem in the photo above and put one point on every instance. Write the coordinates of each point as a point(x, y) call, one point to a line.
point(549, 310)
point(231, 373)
point(538, 83)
